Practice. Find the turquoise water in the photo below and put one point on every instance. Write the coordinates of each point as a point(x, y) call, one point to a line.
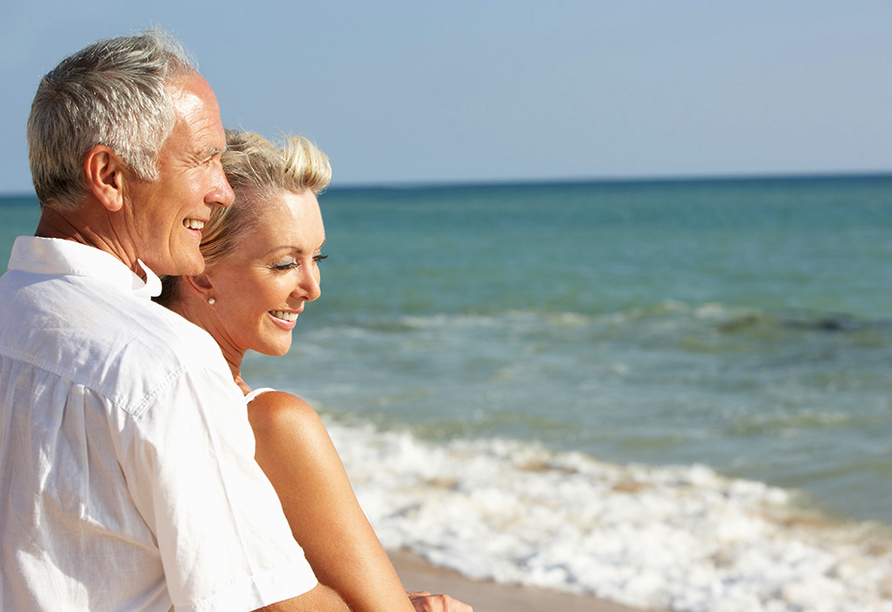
point(741, 324)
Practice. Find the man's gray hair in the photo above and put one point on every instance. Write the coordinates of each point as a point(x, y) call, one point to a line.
point(113, 92)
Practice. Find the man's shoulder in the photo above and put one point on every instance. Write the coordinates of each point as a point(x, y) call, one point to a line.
point(153, 331)
point(162, 348)
point(98, 336)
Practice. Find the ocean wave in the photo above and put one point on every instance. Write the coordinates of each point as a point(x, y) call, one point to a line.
point(673, 537)
point(666, 315)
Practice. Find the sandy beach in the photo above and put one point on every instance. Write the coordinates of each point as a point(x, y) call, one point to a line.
point(484, 596)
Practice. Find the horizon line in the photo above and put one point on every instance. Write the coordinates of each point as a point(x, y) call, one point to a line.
point(608, 180)
point(622, 179)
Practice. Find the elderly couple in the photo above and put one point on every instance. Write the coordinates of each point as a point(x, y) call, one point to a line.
point(138, 471)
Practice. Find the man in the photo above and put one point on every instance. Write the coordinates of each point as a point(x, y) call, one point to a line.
point(126, 458)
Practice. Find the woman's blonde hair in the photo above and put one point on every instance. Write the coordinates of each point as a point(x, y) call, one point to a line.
point(259, 172)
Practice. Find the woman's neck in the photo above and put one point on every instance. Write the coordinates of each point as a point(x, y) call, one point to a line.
point(238, 380)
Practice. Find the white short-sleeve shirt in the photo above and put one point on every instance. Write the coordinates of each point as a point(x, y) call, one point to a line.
point(126, 458)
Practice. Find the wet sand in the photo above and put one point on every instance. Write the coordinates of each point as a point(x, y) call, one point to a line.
point(417, 574)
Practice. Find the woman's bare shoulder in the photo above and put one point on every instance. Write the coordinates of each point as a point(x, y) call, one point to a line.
point(278, 409)
point(292, 444)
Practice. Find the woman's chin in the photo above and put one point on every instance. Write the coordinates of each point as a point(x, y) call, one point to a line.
point(273, 350)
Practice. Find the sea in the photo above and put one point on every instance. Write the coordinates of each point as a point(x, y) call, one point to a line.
point(673, 394)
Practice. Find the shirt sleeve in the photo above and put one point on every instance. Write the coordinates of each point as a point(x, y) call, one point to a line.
point(189, 461)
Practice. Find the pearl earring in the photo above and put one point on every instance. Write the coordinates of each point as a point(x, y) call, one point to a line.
point(212, 301)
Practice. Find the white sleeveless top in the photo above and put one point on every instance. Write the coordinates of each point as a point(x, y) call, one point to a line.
point(256, 392)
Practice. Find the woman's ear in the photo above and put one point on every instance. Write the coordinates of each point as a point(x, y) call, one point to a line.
point(200, 285)
point(105, 177)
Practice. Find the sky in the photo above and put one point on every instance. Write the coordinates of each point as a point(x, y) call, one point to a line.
point(420, 92)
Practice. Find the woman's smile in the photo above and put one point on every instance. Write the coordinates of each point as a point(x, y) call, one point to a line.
point(284, 318)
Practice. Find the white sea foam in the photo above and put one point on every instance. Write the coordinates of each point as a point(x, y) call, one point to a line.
point(680, 538)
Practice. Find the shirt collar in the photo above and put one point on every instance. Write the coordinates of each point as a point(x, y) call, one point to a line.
point(57, 256)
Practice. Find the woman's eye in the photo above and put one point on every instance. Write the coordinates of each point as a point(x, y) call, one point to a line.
point(291, 264)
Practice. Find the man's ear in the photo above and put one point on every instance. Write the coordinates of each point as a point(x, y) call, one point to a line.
point(105, 177)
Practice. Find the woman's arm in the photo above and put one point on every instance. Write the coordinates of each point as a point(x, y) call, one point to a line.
point(297, 455)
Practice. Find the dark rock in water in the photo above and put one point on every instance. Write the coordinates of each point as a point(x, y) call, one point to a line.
point(811, 321)
point(837, 324)
point(834, 323)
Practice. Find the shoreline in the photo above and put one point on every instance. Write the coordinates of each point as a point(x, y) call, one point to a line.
point(417, 574)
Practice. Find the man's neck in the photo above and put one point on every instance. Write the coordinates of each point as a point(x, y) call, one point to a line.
point(77, 227)
point(54, 224)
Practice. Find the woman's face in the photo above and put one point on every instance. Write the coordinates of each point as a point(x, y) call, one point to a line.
point(263, 285)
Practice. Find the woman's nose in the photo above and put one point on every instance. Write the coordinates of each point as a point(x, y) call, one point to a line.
point(308, 286)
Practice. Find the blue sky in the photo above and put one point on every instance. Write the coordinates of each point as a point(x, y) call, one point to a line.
point(419, 92)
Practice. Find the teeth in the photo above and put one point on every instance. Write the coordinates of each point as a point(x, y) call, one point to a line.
point(193, 223)
point(286, 316)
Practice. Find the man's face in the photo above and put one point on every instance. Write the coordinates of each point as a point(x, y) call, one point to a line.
point(165, 216)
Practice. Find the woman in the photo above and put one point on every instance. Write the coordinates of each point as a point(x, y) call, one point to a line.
point(262, 266)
